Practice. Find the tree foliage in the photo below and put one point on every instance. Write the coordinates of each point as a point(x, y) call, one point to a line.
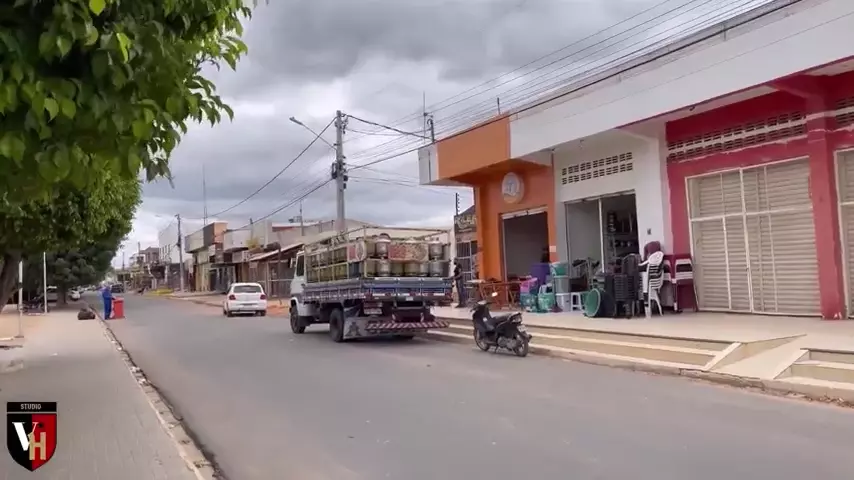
point(91, 86)
point(86, 265)
point(72, 220)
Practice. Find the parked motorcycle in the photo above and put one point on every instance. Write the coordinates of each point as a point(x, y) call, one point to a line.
point(499, 331)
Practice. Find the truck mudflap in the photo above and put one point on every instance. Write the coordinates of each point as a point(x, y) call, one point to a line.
point(405, 326)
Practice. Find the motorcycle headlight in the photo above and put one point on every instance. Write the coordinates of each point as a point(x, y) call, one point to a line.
point(516, 318)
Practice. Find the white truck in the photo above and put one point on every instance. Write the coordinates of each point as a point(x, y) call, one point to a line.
point(367, 283)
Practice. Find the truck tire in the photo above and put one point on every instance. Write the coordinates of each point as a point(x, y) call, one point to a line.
point(336, 325)
point(297, 325)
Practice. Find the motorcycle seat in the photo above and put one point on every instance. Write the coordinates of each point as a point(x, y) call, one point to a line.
point(497, 320)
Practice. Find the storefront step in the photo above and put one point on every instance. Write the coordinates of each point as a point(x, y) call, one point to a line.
point(575, 354)
point(669, 341)
point(829, 371)
point(823, 365)
point(617, 344)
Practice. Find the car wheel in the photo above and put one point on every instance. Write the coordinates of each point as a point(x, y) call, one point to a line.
point(229, 313)
point(263, 313)
point(224, 313)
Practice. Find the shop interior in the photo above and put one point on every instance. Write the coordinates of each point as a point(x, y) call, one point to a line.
point(526, 241)
point(600, 232)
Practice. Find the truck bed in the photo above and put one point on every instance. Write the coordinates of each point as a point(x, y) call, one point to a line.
point(436, 289)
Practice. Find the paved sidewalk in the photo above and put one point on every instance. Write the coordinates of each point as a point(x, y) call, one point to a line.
point(107, 430)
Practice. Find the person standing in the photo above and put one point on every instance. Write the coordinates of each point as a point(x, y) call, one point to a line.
point(107, 296)
point(462, 294)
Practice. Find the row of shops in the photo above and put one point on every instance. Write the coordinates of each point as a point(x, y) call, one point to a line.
point(752, 177)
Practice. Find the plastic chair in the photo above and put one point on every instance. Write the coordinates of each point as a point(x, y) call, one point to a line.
point(655, 279)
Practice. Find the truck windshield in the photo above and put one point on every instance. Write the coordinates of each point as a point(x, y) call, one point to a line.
point(300, 266)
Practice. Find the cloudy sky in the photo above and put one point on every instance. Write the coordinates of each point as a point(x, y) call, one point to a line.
point(379, 60)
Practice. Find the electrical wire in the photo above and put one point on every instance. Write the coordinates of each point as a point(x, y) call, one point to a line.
point(270, 181)
point(520, 96)
point(454, 125)
point(618, 61)
point(389, 181)
point(289, 204)
point(436, 106)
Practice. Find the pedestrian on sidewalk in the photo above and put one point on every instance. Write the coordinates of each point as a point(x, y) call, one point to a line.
point(107, 296)
point(462, 294)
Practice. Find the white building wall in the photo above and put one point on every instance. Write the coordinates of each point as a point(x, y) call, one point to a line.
point(235, 239)
point(807, 34)
point(647, 178)
point(167, 242)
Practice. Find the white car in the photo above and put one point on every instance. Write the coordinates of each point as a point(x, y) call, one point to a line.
point(74, 295)
point(245, 298)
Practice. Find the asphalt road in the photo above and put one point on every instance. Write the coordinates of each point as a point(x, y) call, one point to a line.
point(272, 405)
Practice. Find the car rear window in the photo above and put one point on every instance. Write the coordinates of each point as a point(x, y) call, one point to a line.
point(247, 289)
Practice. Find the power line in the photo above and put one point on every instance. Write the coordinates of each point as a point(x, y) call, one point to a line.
point(262, 187)
point(289, 204)
point(436, 106)
point(616, 62)
point(519, 96)
point(402, 132)
point(456, 121)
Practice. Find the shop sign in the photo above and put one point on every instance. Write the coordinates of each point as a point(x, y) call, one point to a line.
point(464, 223)
point(512, 188)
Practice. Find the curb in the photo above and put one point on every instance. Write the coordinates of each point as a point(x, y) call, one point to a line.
point(771, 387)
point(188, 449)
point(13, 364)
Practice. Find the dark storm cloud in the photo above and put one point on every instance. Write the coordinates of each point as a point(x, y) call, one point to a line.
point(375, 59)
point(326, 39)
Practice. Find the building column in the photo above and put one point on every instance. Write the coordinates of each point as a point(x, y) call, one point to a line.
point(823, 194)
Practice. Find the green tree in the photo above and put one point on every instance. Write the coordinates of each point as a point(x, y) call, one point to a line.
point(88, 86)
point(68, 269)
point(72, 220)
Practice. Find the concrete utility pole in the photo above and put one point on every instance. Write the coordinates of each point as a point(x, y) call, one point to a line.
point(301, 221)
point(180, 255)
point(338, 169)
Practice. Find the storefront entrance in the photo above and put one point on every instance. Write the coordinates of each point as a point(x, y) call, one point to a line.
point(753, 239)
point(601, 231)
point(525, 239)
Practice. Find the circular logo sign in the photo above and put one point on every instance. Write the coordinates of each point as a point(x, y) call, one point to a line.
point(512, 188)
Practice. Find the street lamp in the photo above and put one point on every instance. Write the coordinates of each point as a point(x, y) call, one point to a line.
point(294, 120)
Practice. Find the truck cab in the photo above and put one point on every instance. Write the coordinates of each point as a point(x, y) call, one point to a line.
point(298, 287)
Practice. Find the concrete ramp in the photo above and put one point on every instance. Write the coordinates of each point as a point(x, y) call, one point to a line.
point(632, 347)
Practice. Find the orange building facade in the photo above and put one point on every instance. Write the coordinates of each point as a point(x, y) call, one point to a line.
point(514, 199)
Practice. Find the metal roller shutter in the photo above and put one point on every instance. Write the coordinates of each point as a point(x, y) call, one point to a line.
point(768, 239)
point(845, 181)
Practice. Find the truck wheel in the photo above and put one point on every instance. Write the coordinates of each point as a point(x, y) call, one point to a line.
point(336, 325)
point(297, 325)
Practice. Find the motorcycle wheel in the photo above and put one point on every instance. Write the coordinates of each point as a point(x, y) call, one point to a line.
point(522, 348)
point(480, 341)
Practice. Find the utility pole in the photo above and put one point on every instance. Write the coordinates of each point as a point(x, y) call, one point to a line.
point(338, 169)
point(457, 206)
point(205, 194)
point(301, 221)
point(180, 255)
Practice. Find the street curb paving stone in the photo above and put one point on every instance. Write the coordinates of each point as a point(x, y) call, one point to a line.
point(773, 387)
point(187, 448)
